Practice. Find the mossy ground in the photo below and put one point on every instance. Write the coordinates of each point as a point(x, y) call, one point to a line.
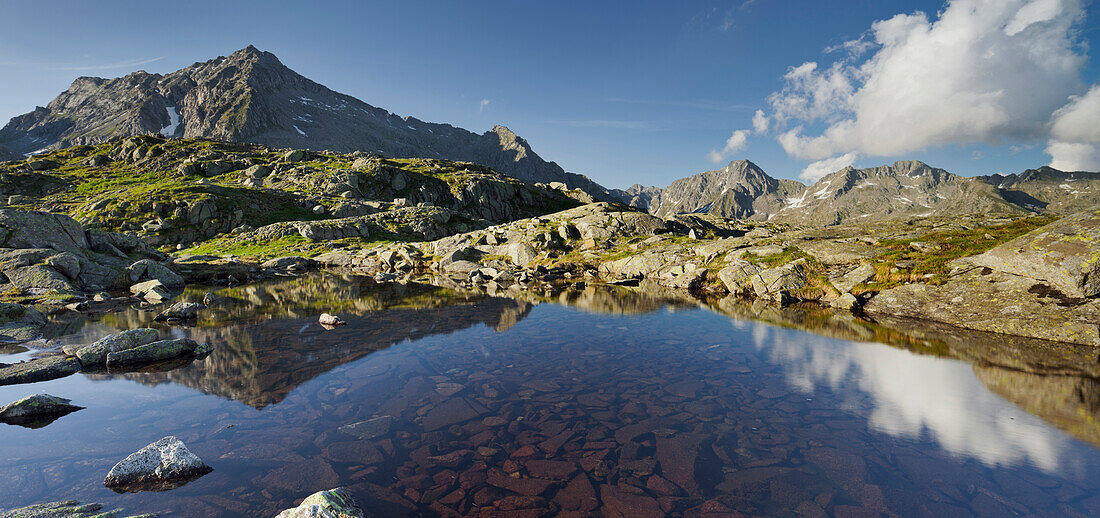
point(942, 247)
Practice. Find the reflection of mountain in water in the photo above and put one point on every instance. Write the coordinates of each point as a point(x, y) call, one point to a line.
point(914, 396)
point(1072, 403)
point(267, 341)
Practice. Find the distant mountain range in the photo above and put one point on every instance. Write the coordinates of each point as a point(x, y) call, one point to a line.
point(251, 96)
point(904, 189)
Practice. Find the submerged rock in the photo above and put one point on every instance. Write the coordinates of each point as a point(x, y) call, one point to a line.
point(157, 351)
point(97, 352)
point(180, 311)
point(39, 369)
point(369, 429)
point(335, 503)
point(160, 466)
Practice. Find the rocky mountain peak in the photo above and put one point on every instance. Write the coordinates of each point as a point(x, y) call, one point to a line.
point(251, 96)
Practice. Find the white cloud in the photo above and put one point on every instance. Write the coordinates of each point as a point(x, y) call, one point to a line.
point(984, 71)
point(760, 122)
point(917, 397)
point(1075, 134)
point(817, 170)
point(481, 107)
point(733, 144)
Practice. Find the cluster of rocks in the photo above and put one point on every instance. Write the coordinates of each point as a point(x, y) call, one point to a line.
point(113, 352)
point(1042, 285)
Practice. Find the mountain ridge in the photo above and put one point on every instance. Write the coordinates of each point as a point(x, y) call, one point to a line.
point(251, 96)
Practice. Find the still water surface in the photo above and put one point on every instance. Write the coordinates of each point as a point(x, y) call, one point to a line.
point(615, 404)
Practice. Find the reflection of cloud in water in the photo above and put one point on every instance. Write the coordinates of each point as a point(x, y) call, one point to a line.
point(912, 394)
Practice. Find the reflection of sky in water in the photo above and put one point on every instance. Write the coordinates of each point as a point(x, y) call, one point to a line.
point(913, 396)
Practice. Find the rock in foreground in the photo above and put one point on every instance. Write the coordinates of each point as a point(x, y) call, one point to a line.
point(335, 503)
point(163, 465)
point(1065, 253)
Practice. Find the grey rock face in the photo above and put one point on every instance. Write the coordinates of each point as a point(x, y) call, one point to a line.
point(161, 465)
point(32, 229)
point(776, 282)
point(739, 190)
point(738, 274)
point(1065, 253)
point(147, 269)
point(336, 503)
point(39, 278)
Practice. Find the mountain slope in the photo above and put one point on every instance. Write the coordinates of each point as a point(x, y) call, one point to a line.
point(903, 189)
point(250, 96)
point(1049, 189)
point(739, 190)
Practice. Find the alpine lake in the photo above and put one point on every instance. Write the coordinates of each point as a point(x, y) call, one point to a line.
point(608, 401)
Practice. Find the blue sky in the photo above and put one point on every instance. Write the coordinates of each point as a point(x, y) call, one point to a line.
point(625, 92)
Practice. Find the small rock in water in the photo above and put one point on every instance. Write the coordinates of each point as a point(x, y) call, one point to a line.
point(163, 465)
point(180, 311)
point(102, 296)
point(96, 353)
point(37, 410)
point(335, 503)
point(330, 320)
point(77, 306)
point(209, 299)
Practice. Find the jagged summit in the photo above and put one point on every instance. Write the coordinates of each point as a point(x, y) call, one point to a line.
point(251, 96)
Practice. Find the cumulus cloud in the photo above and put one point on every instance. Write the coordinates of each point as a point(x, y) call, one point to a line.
point(733, 144)
point(760, 122)
point(1075, 134)
point(817, 170)
point(989, 71)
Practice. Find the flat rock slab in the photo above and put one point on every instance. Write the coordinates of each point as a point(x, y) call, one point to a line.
point(40, 369)
point(997, 302)
point(335, 503)
point(163, 465)
point(1065, 253)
